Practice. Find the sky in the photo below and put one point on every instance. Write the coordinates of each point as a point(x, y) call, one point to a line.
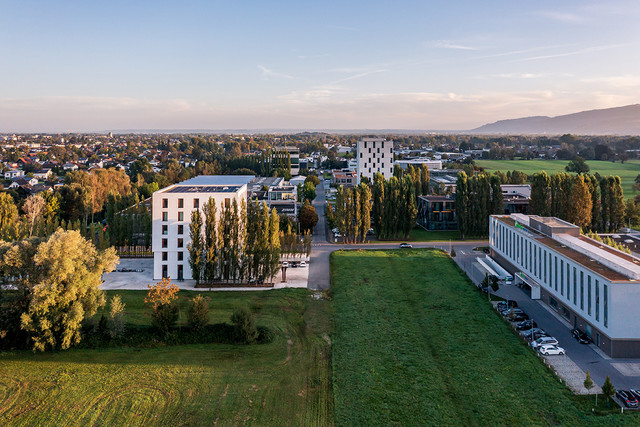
point(86, 66)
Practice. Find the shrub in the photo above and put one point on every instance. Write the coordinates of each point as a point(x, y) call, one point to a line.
point(116, 317)
point(198, 316)
point(244, 325)
point(453, 253)
point(164, 317)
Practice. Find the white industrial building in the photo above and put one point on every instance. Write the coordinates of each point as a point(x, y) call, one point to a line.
point(171, 213)
point(595, 287)
point(429, 163)
point(374, 155)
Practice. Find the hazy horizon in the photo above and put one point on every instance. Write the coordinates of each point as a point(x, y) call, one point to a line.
point(408, 65)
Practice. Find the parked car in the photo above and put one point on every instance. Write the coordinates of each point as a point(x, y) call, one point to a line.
point(582, 337)
point(518, 317)
point(406, 245)
point(483, 289)
point(635, 392)
point(507, 304)
point(303, 263)
point(285, 264)
point(511, 311)
point(544, 341)
point(629, 400)
point(526, 325)
point(534, 332)
point(548, 350)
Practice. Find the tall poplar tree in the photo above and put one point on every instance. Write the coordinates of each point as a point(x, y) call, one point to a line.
point(196, 246)
point(462, 200)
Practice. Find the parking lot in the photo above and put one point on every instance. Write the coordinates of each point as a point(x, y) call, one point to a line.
point(132, 279)
point(624, 373)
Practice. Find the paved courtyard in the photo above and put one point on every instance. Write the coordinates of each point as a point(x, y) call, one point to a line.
point(132, 280)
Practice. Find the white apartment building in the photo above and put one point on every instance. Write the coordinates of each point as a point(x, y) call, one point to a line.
point(171, 215)
point(595, 287)
point(374, 155)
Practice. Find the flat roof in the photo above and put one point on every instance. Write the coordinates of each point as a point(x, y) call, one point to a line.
point(581, 258)
point(204, 189)
point(218, 180)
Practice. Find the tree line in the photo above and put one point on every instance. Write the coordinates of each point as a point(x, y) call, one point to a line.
point(240, 242)
point(395, 208)
point(352, 213)
point(591, 202)
point(477, 197)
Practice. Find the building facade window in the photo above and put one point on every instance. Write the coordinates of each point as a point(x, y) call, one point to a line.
point(597, 289)
point(165, 216)
point(196, 203)
point(562, 277)
point(180, 243)
point(575, 287)
point(180, 216)
point(589, 295)
point(582, 290)
point(165, 271)
point(180, 256)
point(165, 203)
point(180, 229)
point(553, 303)
point(165, 229)
point(165, 256)
point(164, 243)
point(555, 273)
point(605, 305)
point(180, 272)
point(180, 203)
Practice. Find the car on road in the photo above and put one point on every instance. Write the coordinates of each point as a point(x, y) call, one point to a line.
point(303, 263)
point(544, 341)
point(629, 400)
point(285, 264)
point(526, 325)
point(518, 317)
point(549, 350)
point(582, 337)
point(405, 245)
point(512, 312)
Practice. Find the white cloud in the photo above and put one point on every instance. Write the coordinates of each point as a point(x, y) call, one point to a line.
point(623, 81)
point(449, 44)
point(266, 73)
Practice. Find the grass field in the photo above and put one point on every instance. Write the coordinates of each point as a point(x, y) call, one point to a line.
point(415, 344)
point(627, 171)
point(285, 382)
point(419, 234)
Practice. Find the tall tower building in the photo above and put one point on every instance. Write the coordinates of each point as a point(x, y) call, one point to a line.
point(374, 155)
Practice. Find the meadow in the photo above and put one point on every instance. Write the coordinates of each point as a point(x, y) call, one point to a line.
point(415, 344)
point(627, 171)
point(284, 382)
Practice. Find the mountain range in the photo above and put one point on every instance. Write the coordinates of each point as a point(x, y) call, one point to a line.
point(609, 121)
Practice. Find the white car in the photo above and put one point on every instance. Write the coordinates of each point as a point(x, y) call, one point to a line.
point(548, 349)
point(544, 340)
point(285, 264)
point(303, 263)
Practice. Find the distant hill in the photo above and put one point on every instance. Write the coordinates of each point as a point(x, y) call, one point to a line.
point(608, 121)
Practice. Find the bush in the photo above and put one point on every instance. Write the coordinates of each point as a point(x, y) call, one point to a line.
point(164, 317)
point(198, 316)
point(116, 317)
point(453, 253)
point(244, 325)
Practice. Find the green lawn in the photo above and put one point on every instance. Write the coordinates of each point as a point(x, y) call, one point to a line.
point(627, 171)
point(285, 382)
point(415, 344)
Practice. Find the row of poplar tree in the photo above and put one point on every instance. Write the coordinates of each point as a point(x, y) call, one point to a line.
point(592, 202)
point(352, 213)
point(395, 207)
point(477, 197)
point(235, 244)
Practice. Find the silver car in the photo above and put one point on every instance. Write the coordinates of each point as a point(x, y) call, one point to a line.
point(544, 340)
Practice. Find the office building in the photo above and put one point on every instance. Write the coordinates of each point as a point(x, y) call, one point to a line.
point(594, 287)
point(171, 218)
point(374, 155)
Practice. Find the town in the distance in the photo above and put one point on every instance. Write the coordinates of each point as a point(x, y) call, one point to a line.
point(148, 273)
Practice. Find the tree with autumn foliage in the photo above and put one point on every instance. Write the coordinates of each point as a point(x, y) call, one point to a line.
point(161, 297)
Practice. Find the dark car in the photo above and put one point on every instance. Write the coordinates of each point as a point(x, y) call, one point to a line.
point(511, 311)
point(405, 245)
point(518, 317)
point(582, 337)
point(526, 325)
point(507, 304)
point(627, 398)
point(636, 393)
